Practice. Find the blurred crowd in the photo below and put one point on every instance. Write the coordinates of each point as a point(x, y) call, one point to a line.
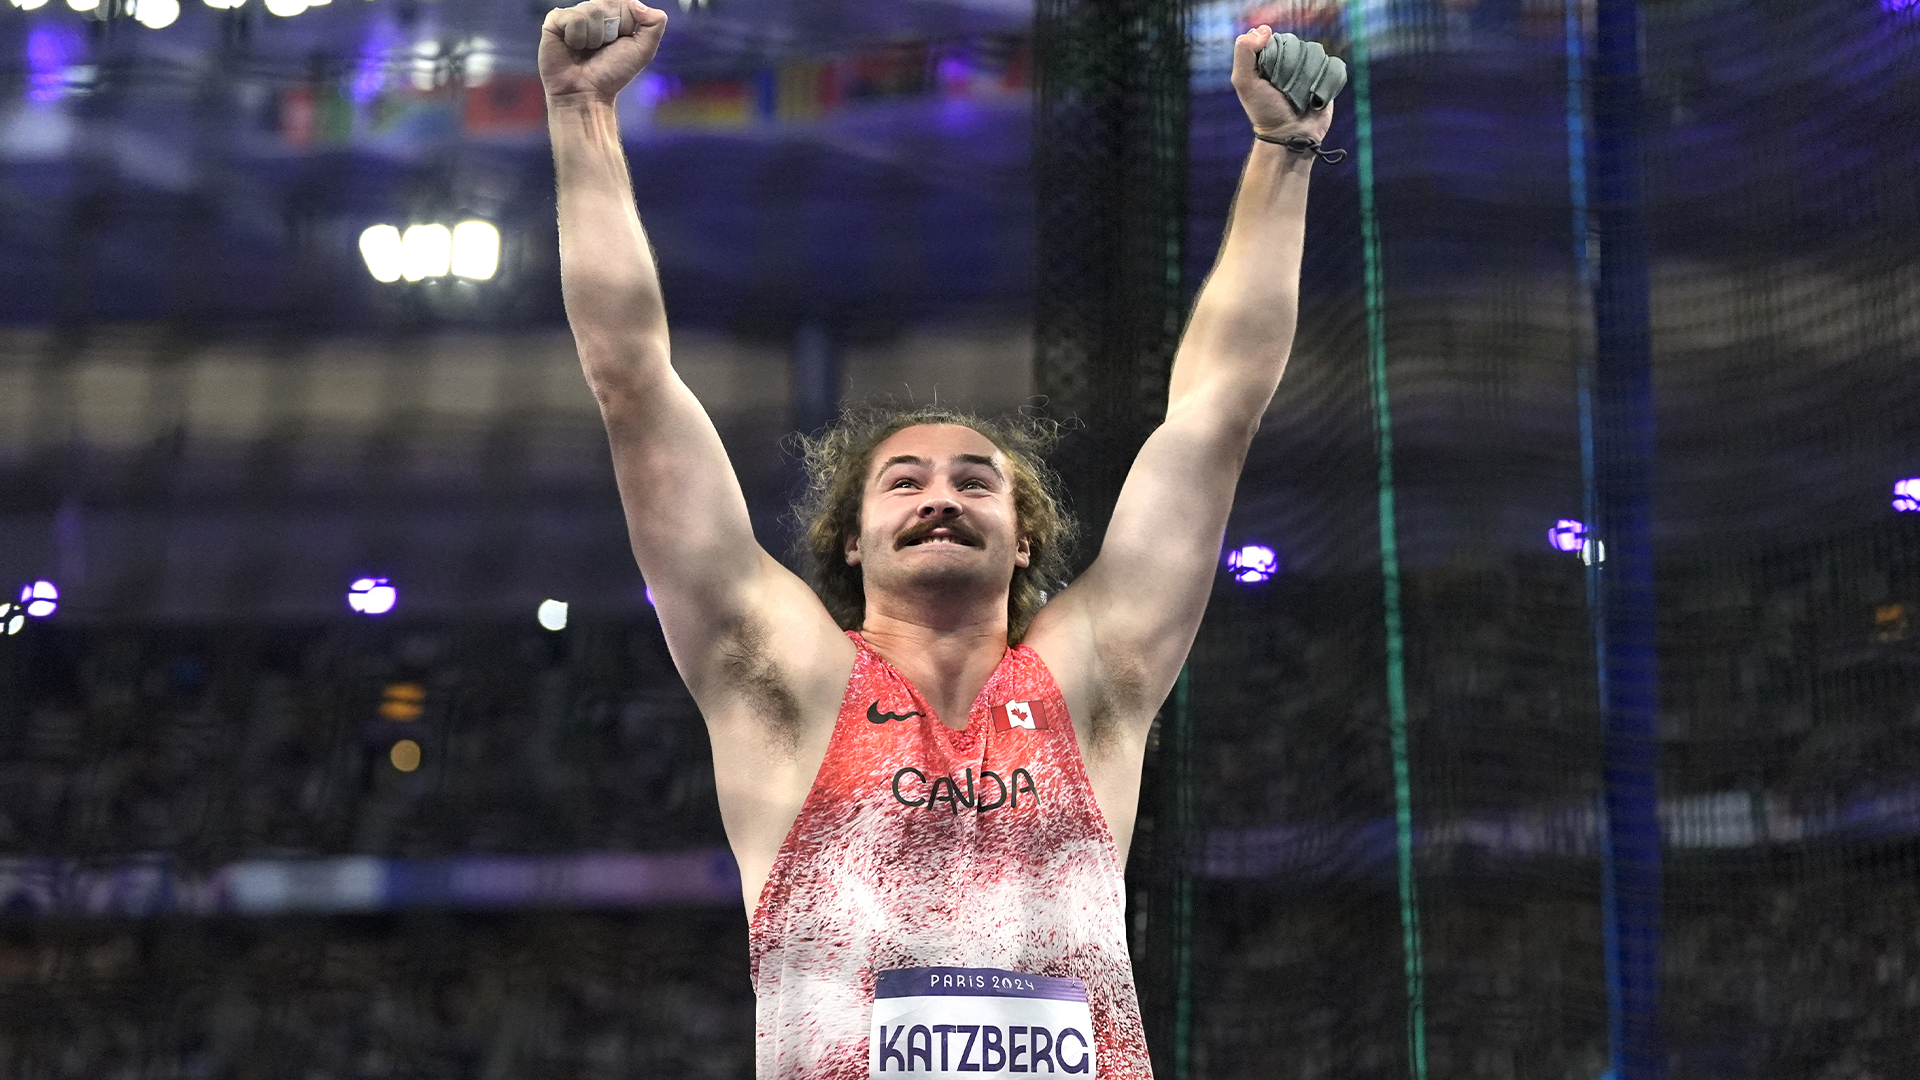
point(1784, 677)
point(216, 744)
point(429, 997)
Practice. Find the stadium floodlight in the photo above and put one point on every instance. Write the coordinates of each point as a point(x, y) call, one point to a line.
point(426, 251)
point(405, 755)
point(156, 14)
point(380, 246)
point(553, 614)
point(224, 5)
point(477, 61)
point(372, 596)
point(476, 250)
point(29, 5)
point(1567, 535)
point(39, 599)
point(424, 69)
point(12, 618)
point(286, 9)
point(84, 6)
point(1252, 564)
point(1906, 493)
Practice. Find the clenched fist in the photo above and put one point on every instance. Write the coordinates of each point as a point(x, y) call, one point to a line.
point(592, 50)
point(1271, 113)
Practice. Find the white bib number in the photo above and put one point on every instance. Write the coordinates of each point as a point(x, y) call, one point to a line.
point(944, 1023)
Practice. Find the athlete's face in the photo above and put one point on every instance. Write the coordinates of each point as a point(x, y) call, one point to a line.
point(938, 509)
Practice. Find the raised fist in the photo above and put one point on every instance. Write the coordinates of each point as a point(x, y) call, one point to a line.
point(1270, 110)
point(594, 49)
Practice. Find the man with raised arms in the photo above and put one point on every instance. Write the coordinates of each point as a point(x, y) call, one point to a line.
point(927, 769)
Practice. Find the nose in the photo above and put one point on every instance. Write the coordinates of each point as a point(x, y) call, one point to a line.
point(938, 505)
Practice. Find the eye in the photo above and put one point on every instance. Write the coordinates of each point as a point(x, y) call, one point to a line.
point(972, 485)
point(902, 482)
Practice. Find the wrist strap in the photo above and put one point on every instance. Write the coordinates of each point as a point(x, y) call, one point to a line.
point(1303, 144)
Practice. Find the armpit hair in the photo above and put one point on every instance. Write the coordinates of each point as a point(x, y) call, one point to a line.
point(748, 665)
point(1123, 690)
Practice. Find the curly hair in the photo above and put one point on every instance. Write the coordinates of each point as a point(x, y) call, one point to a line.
point(836, 462)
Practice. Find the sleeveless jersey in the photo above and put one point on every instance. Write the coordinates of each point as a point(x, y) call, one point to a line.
point(923, 846)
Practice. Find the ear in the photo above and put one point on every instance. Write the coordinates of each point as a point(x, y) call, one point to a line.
point(1022, 551)
point(853, 550)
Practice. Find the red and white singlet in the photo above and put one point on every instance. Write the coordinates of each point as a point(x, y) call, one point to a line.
point(922, 846)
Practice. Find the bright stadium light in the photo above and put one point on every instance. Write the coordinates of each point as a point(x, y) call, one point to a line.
point(426, 251)
point(1252, 564)
point(224, 5)
point(29, 5)
point(425, 66)
point(372, 596)
point(553, 614)
point(156, 14)
point(12, 619)
point(1906, 495)
point(40, 599)
point(380, 246)
point(476, 250)
point(84, 5)
point(1567, 535)
point(1571, 536)
point(477, 61)
point(405, 755)
point(286, 9)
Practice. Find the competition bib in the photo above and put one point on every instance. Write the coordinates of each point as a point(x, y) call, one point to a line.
point(937, 1023)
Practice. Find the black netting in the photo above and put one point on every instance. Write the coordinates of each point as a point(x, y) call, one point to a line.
point(1110, 171)
point(1782, 291)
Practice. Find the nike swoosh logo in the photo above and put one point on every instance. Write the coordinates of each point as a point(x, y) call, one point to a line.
point(875, 716)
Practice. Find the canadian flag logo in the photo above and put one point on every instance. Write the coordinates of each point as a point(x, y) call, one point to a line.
point(1028, 715)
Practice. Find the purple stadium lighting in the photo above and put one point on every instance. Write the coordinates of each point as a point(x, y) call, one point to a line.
point(1899, 5)
point(1906, 493)
point(369, 77)
point(953, 73)
point(1252, 564)
point(372, 596)
point(1567, 535)
point(39, 599)
point(51, 47)
point(650, 89)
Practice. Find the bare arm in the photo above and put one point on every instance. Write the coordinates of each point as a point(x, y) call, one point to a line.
point(716, 590)
point(1121, 632)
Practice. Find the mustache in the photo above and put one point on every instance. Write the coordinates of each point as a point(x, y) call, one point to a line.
point(960, 530)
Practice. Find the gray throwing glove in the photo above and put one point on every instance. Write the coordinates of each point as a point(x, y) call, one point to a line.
point(1302, 71)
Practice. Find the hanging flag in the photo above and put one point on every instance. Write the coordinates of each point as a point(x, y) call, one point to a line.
point(315, 113)
point(510, 101)
point(893, 70)
point(807, 90)
point(297, 115)
point(410, 116)
point(708, 103)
